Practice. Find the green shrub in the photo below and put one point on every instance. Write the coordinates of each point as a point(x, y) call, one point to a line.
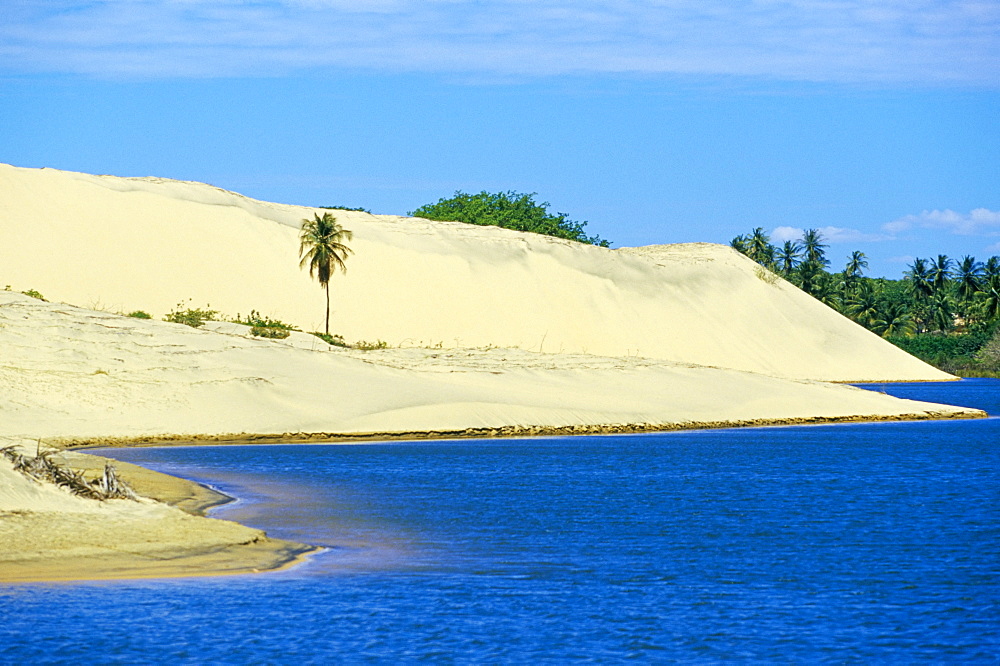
point(511, 210)
point(334, 340)
point(34, 294)
point(139, 314)
point(965, 355)
point(193, 317)
point(931, 346)
point(265, 327)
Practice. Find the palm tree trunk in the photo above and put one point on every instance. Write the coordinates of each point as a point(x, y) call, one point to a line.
point(328, 308)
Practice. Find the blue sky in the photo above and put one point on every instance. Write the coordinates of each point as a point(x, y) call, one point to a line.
point(656, 121)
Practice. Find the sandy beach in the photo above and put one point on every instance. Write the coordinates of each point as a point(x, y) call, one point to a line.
point(489, 332)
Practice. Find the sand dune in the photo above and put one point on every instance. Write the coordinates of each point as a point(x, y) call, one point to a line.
point(148, 243)
point(492, 332)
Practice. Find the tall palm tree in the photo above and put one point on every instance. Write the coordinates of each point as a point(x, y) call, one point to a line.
point(739, 243)
point(788, 257)
point(991, 268)
point(920, 278)
point(941, 311)
point(862, 305)
point(814, 247)
point(759, 247)
point(856, 264)
point(940, 271)
point(894, 319)
point(322, 248)
point(969, 276)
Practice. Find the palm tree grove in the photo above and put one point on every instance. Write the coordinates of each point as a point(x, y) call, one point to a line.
point(944, 311)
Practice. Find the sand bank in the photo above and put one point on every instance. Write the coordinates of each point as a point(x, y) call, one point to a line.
point(50, 535)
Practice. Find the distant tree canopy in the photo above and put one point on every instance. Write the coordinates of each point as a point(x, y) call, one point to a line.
point(943, 311)
point(511, 210)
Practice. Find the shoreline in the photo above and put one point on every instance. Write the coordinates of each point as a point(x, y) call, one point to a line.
point(502, 432)
point(258, 553)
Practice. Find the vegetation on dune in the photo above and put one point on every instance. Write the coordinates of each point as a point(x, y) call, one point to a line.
point(360, 210)
point(322, 248)
point(332, 340)
point(29, 292)
point(943, 311)
point(510, 210)
point(139, 314)
point(265, 327)
point(193, 317)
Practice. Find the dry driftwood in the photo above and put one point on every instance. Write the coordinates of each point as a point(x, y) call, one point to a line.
point(41, 467)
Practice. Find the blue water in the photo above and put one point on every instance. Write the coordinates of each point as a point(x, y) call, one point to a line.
point(843, 543)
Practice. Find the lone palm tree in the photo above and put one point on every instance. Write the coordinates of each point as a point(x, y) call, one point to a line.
point(322, 248)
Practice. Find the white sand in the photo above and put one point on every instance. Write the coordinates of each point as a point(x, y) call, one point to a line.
point(147, 243)
point(75, 373)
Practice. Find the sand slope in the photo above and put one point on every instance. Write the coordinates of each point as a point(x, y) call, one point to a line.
point(147, 243)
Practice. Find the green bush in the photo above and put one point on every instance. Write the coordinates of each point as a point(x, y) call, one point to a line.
point(139, 314)
point(510, 210)
point(193, 317)
point(34, 294)
point(965, 355)
point(265, 327)
point(931, 346)
point(334, 340)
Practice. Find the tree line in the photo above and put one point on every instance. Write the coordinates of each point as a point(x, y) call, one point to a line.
point(940, 295)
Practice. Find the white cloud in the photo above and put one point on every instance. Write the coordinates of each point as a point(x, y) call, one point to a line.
point(782, 234)
point(926, 41)
point(978, 222)
point(829, 234)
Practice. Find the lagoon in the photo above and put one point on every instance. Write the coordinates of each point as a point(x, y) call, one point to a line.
point(851, 542)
